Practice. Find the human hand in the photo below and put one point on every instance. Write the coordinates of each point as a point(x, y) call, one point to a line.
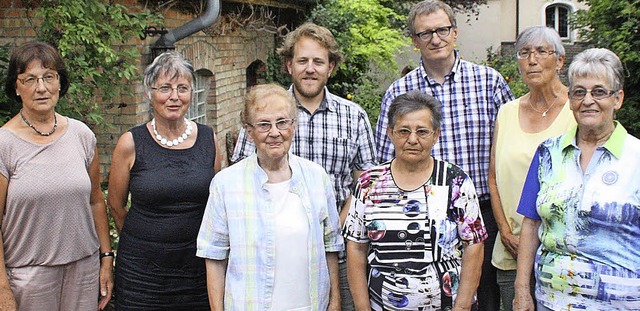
point(7, 299)
point(510, 243)
point(106, 281)
point(523, 301)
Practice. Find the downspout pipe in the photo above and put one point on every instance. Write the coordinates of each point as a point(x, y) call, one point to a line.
point(166, 41)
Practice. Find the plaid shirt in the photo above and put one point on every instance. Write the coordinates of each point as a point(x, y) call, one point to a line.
point(337, 136)
point(470, 95)
point(238, 225)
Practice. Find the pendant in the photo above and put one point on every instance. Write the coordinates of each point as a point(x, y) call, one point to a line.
point(544, 114)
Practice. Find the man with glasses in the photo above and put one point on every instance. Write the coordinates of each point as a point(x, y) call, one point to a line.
point(331, 131)
point(471, 95)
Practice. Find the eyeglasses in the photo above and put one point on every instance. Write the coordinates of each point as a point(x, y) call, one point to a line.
point(165, 89)
point(596, 93)
point(48, 78)
point(282, 124)
point(427, 35)
point(422, 133)
point(538, 53)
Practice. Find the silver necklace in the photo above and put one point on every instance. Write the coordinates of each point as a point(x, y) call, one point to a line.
point(55, 125)
point(544, 113)
point(175, 141)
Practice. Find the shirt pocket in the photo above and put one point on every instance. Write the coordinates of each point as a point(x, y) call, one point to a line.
point(339, 156)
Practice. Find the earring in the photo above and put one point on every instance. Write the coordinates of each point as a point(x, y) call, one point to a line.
point(18, 94)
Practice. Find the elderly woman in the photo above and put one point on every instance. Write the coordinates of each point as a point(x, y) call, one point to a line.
point(166, 165)
point(520, 127)
point(581, 231)
point(56, 252)
point(270, 234)
point(414, 229)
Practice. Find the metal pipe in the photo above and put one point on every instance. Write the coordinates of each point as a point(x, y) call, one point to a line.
point(166, 41)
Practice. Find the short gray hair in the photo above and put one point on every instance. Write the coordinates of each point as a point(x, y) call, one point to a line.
point(170, 64)
point(597, 62)
point(537, 35)
point(413, 101)
point(428, 7)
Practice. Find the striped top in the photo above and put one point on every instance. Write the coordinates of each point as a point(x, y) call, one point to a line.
point(414, 234)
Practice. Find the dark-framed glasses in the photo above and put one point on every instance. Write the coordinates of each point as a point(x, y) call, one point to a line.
point(422, 133)
point(538, 53)
point(427, 35)
point(596, 93)
point(282, 124)
point(47, 78)
point(166, 89)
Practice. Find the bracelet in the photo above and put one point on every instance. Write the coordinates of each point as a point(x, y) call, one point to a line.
point(107, 254)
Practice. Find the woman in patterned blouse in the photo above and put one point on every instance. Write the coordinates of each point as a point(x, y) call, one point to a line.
point(414, 229)
point(581, 202)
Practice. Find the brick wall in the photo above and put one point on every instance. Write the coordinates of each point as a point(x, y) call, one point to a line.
point(225, 57)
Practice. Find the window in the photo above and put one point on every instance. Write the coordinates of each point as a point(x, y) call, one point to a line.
point(256, 73)
point(198, 108)
point(557, 17)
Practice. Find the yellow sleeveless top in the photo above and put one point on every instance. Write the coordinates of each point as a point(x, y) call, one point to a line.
point(514, 151)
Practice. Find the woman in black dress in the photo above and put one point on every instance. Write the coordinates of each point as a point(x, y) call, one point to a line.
point(166, 165)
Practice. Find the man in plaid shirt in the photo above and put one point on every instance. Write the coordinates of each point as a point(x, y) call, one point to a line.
point(471, 95)
point(332, 131)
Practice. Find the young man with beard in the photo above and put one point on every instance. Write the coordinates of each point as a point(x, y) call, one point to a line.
point(332, 131)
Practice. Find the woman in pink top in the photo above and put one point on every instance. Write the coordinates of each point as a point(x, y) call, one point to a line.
point(56, 253)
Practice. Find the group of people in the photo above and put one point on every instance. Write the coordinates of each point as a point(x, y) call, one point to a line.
point(463, 198)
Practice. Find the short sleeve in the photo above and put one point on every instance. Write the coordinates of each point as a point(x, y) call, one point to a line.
point(333, 241)
point(527, 206)
point(354, 228)
point(213, 237)
point(5, 153)
point(366, 153)
point(471, 227)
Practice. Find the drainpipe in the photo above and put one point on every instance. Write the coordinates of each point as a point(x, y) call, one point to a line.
point(166, 41)
point(517, 18)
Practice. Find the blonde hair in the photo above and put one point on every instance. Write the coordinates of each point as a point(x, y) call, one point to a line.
point(253, 101)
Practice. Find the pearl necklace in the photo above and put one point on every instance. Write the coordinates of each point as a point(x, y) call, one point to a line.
point(55, 125)
point(173, 142)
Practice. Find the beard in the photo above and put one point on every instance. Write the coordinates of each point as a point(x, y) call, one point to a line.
point(309, 90)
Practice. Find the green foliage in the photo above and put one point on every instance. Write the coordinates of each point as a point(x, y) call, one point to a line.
point(5, 112)
point(91, 36)
point(614, 24)
point(274, 72)
point(507, 65)
point(369, 44)
point(470, 7)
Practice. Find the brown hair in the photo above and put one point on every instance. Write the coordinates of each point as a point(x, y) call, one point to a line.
point(23, 55)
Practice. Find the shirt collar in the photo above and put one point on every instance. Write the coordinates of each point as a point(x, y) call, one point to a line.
point(455, 70)
point(328, 101)
point(614, 144)
point(262, 175)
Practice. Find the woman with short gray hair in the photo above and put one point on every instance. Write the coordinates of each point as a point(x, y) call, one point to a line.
point(581, 229)
point(520, 127)
point(165, 165)
point(414, 229)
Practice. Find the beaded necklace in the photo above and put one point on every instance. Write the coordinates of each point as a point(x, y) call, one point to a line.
point(175, 141)
point(55, 125)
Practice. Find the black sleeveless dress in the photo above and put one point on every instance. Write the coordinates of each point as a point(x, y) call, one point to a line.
point(157, 267)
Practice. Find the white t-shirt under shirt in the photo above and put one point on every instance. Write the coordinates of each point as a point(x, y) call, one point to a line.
point(291, 284)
